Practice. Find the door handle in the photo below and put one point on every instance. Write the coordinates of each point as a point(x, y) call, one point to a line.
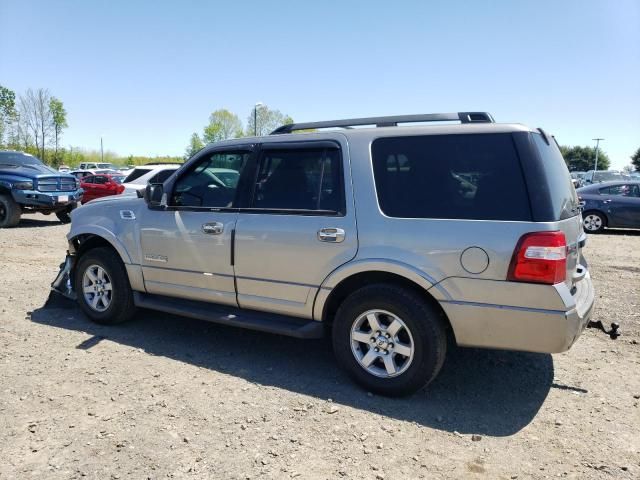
point(332, 235)
point(607, 201)
point(212, 228)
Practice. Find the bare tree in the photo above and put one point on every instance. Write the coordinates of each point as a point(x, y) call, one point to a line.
point(36, 113)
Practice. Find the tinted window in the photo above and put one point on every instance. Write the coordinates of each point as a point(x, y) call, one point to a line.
point(100, 179)
point(563, 197)
point(160, 177)
point(200, 187)
point(89, 179)
point(450, 176)
point(623, 190)
point(299, 179)
point(137, 173)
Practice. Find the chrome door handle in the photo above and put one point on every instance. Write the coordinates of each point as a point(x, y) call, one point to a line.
point(333, 235)
point(213, 228)
point(607, 201)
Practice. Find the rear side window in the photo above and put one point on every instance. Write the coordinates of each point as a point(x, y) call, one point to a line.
point(450, 176)
point(299, 179)
point(563, 197)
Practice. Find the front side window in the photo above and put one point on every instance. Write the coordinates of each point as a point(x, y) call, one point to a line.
point(299, 179)
point(202, 185)
point(100, 179)
point(89, 179)
point(161, 176)
point(450, 176)
point(622, 190)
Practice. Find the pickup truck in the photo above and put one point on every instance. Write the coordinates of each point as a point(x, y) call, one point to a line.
point(29, 186)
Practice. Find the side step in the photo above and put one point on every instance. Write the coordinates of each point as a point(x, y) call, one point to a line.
point(235, 317)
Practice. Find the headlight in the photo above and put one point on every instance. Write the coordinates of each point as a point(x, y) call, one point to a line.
point(23, 186)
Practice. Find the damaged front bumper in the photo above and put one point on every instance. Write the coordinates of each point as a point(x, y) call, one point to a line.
point(63, 283)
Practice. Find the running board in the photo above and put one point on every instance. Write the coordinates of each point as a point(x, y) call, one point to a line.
point(235, 317)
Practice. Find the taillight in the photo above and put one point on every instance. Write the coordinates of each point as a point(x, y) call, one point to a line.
point(540, 257)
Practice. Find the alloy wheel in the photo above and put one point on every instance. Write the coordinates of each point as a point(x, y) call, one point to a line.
point(382, 343)
point(97, 288)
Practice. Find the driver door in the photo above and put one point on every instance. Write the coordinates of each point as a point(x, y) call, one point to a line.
point(187, 245)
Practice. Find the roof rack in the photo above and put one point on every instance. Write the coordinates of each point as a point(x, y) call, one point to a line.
point(393, 121)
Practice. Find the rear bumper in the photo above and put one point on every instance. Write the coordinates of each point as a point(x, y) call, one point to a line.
point(523, 328)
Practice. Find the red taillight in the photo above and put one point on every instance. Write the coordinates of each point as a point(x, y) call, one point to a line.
point(540, 257)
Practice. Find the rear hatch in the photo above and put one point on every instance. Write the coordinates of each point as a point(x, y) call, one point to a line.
point(562, 205)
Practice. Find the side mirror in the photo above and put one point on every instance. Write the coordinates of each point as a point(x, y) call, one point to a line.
point(154, 195)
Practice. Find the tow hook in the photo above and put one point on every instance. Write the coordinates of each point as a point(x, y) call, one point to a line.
point(613, 333)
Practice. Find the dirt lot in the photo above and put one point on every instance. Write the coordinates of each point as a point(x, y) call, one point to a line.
point(168, 397)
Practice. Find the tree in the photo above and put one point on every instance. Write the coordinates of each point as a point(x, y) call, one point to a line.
point(222, 125)
point(635, 160)
point(8, 111)
point(582, 159)
point(59, 122)
point(34, 110)
point(195, 145)
point(267, 120)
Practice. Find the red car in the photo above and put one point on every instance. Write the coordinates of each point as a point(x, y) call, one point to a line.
point(96, 186)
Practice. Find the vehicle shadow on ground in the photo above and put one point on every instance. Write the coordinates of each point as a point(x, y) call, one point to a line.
point(478, 391)
point(620, 231)
point(26, 222)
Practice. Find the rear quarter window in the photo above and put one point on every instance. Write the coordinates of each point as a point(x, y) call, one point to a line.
point(459, 176)
point(562, 194)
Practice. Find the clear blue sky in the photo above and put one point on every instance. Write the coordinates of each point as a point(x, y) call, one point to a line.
point(147, 74)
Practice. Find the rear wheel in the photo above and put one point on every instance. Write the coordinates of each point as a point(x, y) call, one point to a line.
point(102, 287)
point(593, 221)
point(10, 212)
point(389, 339)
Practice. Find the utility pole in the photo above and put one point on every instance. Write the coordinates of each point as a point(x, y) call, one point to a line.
point(102, 151)
point(597, 140)
point(255, 118)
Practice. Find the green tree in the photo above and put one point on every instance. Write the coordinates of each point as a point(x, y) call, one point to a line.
point(263, 120)
point(635, 160)
point(59, 121)
point(222, 125)
point(8, 113)
point(195, 145)
point(582, 159)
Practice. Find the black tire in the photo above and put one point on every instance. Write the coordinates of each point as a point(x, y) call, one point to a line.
point(423, 321)
point(10, 212)
point(594, 221)
point(65, 215)
point(121, 307)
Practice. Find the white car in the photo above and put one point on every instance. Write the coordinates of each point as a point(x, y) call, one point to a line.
point(94, 167)
point(139, 177)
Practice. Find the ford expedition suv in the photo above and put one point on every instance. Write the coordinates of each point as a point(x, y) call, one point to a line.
point(29, 186)
point(392, 239)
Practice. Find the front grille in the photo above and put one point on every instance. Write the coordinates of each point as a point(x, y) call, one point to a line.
point(56, 184)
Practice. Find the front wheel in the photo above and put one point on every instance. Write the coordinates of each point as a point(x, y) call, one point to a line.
point(102, 287)
point(594, 222)
point(65, 215)
point(10, 212)
point(389, 339)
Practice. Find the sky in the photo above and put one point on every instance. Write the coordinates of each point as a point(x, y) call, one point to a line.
point(145, 75)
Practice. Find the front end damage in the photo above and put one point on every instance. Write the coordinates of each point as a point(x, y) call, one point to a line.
point(63, 283)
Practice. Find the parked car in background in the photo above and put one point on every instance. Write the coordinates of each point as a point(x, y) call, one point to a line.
point(610, 204)
point(98, 186)
point(577, 178)
point(80, 174)
point(94, 166)
point(64, 169)
point(598, 176)
point(448, 245)
point(635, 175)
point(138, 178)
point(29, 186)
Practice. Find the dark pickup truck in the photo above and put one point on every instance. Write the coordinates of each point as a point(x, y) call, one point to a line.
point(28, 186)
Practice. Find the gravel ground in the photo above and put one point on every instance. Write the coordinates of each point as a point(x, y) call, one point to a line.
point(168, 397)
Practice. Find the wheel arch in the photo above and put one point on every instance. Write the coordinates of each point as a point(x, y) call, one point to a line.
point(82, 242)
point(328, 301)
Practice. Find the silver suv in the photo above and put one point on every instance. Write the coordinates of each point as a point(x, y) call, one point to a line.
point(395, 239)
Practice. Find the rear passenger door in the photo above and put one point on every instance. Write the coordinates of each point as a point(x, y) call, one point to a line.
point(623, 206)
point(296, 228)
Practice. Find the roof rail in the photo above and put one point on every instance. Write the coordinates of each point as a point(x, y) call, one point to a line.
point(393, 121)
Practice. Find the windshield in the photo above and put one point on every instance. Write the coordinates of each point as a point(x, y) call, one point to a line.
point(117, 178)
point(18, 158)
point(107, 166)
